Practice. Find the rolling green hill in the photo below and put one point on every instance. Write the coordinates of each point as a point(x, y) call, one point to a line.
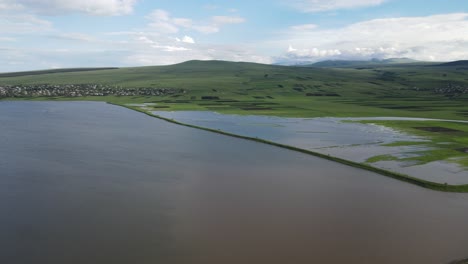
point(235, 87)
point(463, 63)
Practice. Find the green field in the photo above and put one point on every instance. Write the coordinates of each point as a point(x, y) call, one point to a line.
point(410, 90)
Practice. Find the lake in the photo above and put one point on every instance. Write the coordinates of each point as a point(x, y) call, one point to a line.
point(87, 182)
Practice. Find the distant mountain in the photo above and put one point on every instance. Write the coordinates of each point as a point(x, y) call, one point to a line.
point(359, 63)
point(338, 63)
point(398, 61)
point(460, 63)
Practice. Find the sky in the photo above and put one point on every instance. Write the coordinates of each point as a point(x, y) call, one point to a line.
point(45, 34)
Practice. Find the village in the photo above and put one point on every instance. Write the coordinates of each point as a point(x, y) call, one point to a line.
point(452, 90)
point(79, 90)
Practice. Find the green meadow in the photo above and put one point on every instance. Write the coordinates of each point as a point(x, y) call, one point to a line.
point(409, 90)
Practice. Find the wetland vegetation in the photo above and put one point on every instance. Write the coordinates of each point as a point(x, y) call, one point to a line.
point(445, 140)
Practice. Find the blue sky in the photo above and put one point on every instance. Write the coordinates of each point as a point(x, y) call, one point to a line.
point(42, 34)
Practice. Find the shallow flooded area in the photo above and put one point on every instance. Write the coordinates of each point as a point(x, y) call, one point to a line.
point(86, 182)
point(339, 137)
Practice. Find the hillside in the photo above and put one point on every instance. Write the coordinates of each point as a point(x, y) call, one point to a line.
point(460, 63)
point(238, 87)
point(26, 73)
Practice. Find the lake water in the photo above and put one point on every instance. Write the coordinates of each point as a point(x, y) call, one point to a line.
point(347, 140)
point(85, 182)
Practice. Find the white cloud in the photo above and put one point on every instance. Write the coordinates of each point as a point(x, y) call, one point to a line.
point(147, 48)
point(314, 52)
point(206, 29)
point(146, 40)
point(163, 22)
point(187, 39)
point(183, 22)
point(206, 52)
point(22, 23)
point(80, 37)
point(327, 5)
point(159, 15)
point(164, 27)
point(291, 49)
point(153, 44)
point(8, 5)
point(59, 7)
point(437, 37)
point(156, 43)
point(172, 48)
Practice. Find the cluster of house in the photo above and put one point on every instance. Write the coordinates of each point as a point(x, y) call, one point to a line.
point(76, 90)
point(452, 90)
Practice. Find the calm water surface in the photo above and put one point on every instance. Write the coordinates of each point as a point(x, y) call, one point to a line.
point(95, 183)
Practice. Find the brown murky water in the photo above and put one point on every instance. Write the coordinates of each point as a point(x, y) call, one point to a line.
point(95, 183)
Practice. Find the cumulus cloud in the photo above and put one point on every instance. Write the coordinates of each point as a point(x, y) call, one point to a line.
point(437, 37)
point(310, 6)
point(186, 39)
point(314, 52)
point(164, 39)
point(162, 21)
point(58, 7)
point(174, 48)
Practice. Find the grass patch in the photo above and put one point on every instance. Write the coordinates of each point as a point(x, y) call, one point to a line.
point(405, 143)
point(381, 158)
point(445, 140)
